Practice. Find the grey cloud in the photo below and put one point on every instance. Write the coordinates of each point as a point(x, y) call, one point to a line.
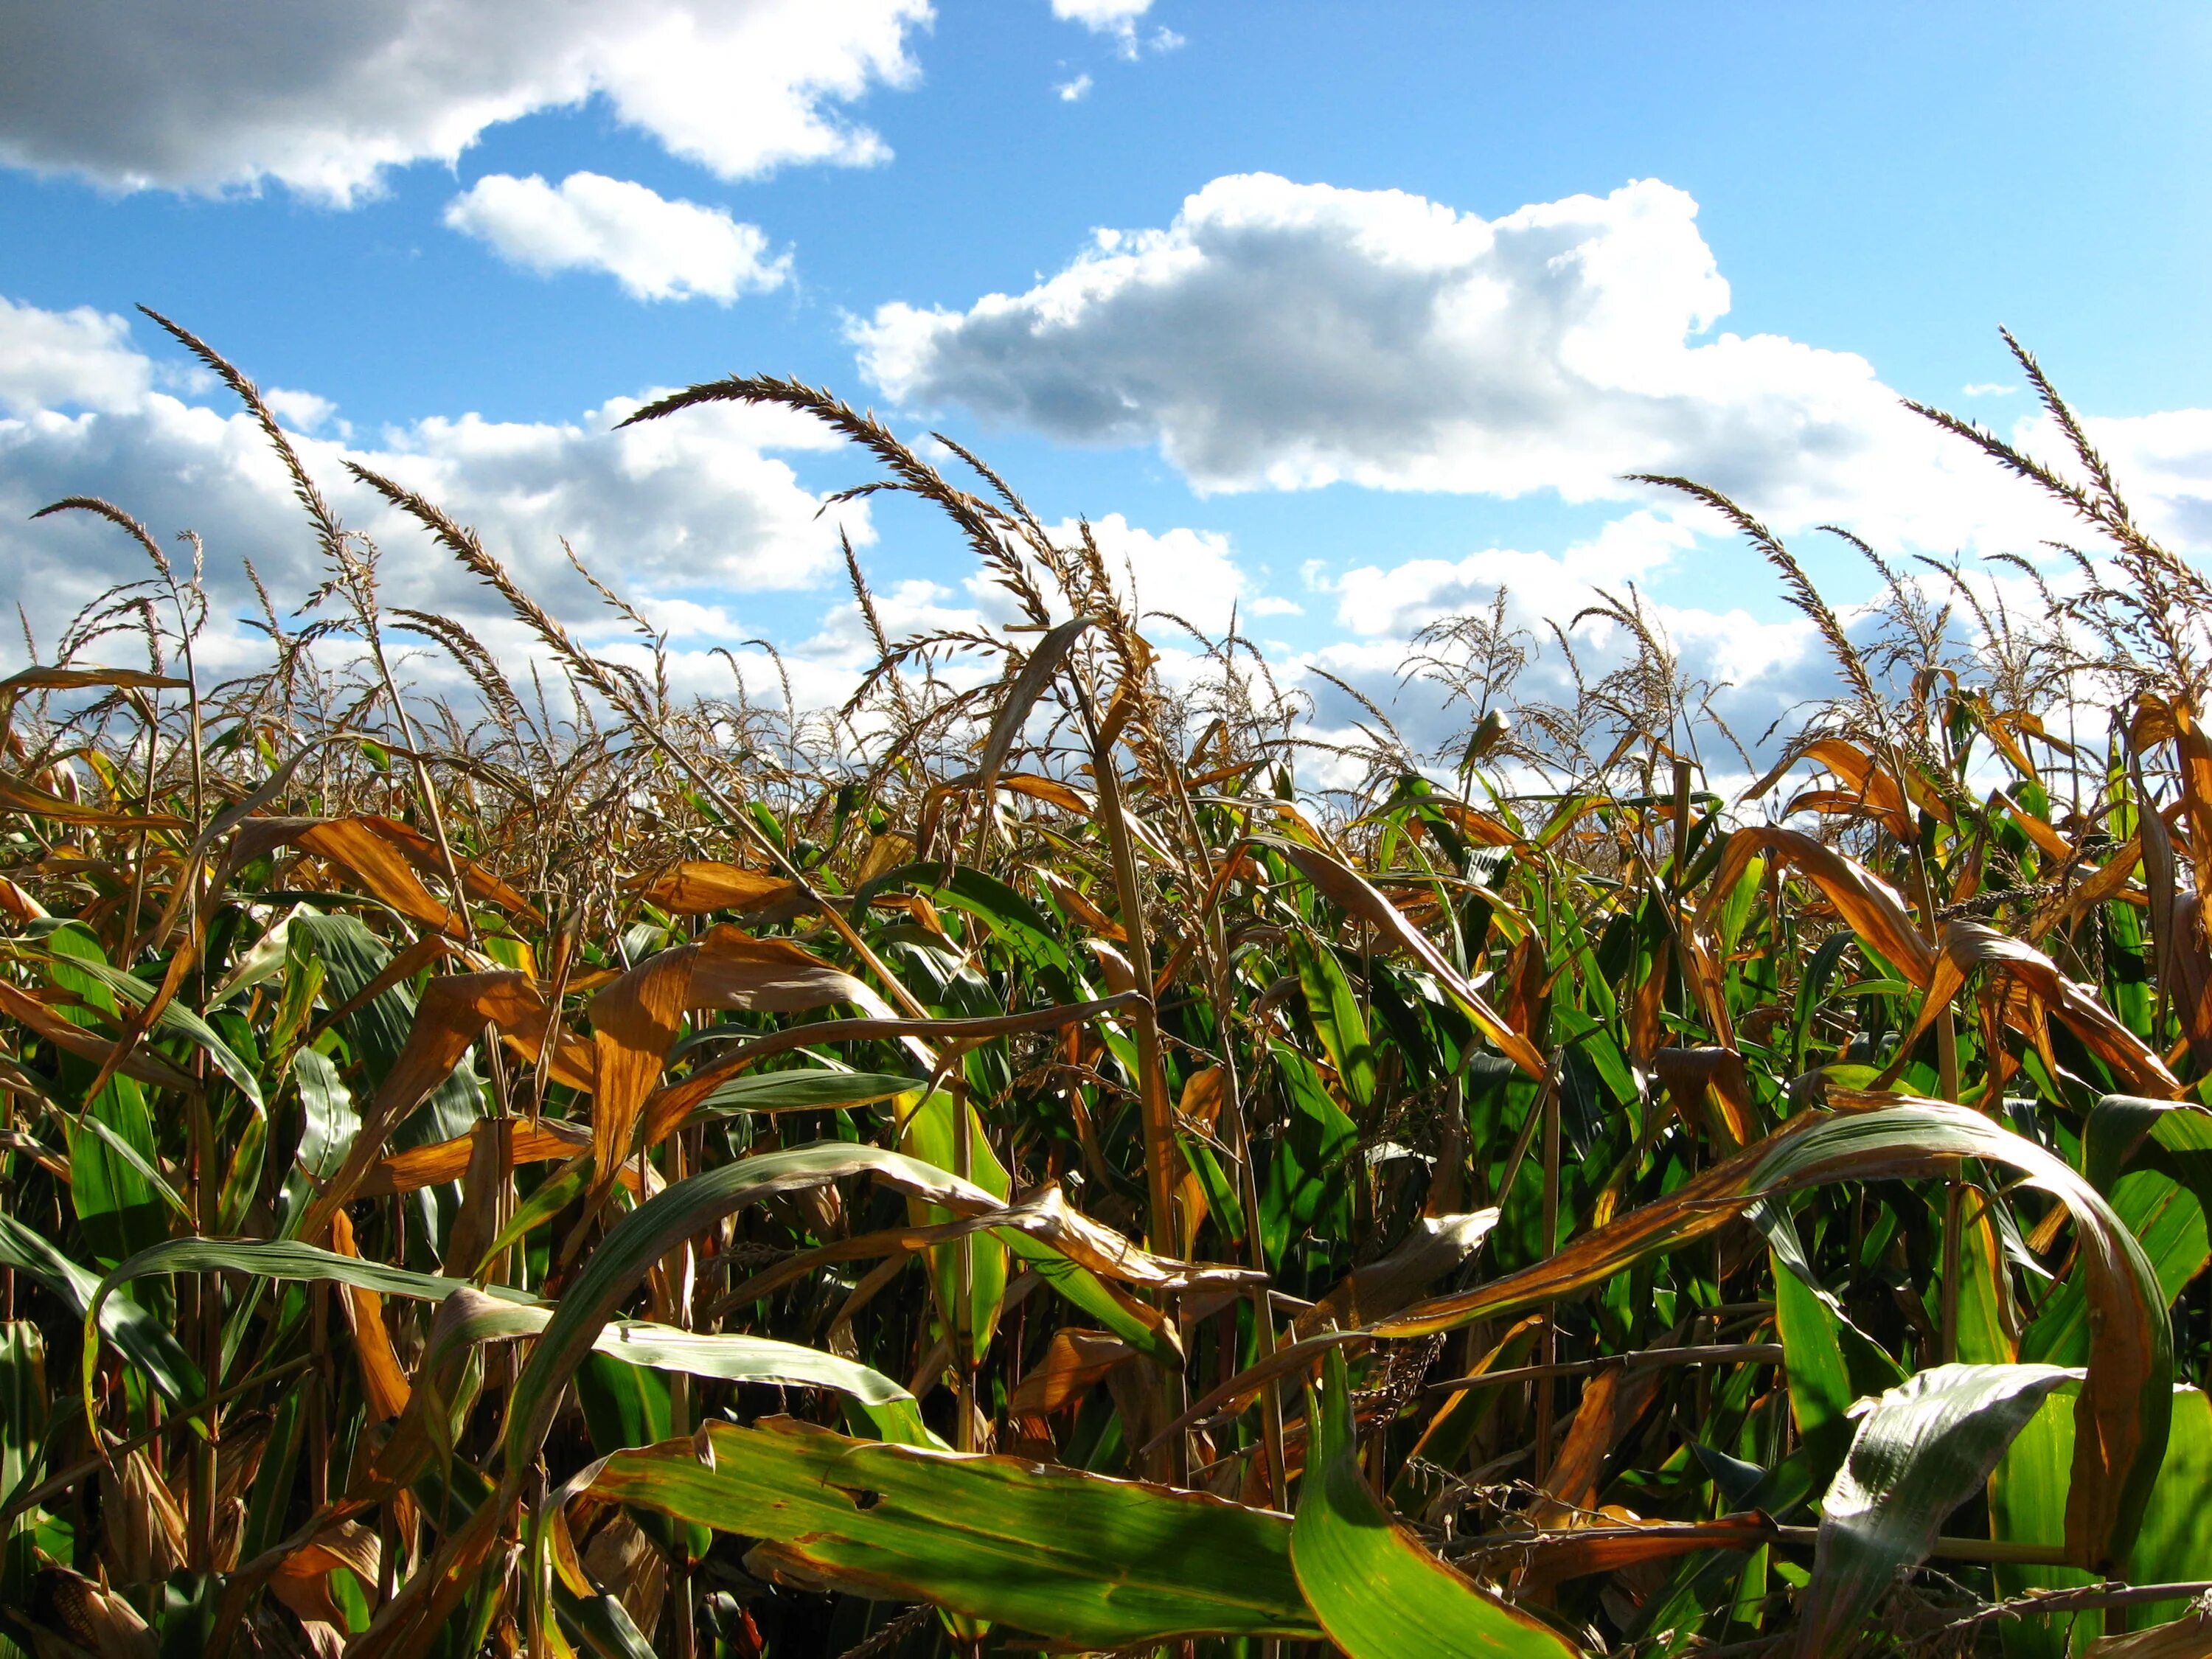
point(323, 94)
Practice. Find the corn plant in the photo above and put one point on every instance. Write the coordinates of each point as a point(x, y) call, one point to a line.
point(1000, 1165)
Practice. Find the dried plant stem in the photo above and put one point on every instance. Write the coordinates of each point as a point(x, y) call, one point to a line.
point(1159, 1114)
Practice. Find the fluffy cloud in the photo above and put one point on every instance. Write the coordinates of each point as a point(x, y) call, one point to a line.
point(1289, 336)
point(79, 358)
point(324, 94)
point(657, 249)
point(704, 505)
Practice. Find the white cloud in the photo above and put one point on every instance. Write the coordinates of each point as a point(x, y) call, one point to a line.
point(1757, 669)
point(1192, 574)
point(703, 507)
point(689, 517)
point(1287, 336)
point(657, 249)
point(1102, 16)
point(302, 411)
point(323, 95)
point(2163, 463)
point(1987, 389)
point(1398, 602)
point(67, 359)
point(1073, 91)
point(698, 501)
point(1119, 19)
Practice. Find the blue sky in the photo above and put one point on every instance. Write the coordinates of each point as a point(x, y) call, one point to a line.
point(1888, 182)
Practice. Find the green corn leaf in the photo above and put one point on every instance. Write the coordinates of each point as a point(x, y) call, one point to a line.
point(736, 1358)
point(2172, 1137)
point(1921, 1450)
point(137, 1335)
point(2028, 1494)
point(615, 1269)
point(926, 1134)
point(177, 1020)
point(22, 1449)
point(242, 1181)
point(113, 1188)
point(470, 1318)
point(1337, 1020)
point(2175, 1544)
point(803, 1092)
point(1377, 1592)
point(1073, 1558)
point(135, 1161)
point(1820, 1383)
point(330, 1120)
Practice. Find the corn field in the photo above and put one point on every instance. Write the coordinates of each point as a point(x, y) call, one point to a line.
point(1002, 1166)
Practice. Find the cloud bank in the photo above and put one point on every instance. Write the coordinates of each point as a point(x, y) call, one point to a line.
point(1274, 336)
point(704, 506)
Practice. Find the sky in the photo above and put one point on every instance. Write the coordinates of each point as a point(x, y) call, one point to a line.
point(1335, 318)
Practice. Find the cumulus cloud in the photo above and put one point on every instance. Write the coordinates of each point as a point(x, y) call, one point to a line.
point(1075, 91)
point(301, 412)
point(64, 359)
point(706, 506)
point(1285, 336)
point(323, 95)
point(657, 249)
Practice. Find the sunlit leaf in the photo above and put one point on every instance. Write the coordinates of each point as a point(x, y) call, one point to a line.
point(1072, 1556)
point(1920, 1451)
point(1377, 1591)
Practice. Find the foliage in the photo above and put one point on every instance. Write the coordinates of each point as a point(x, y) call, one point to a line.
point(998, 1162)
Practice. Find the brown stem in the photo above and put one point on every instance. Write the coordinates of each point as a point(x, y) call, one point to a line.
point(1152, 1082)
point(1548, 1345)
